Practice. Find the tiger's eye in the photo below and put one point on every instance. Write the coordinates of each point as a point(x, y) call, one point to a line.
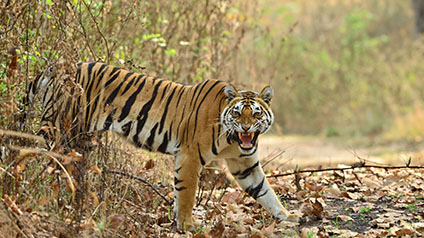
point(257, 113)
point(235, 113)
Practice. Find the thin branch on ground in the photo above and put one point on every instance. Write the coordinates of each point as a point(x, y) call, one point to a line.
point(357, 165)
point(139, 179)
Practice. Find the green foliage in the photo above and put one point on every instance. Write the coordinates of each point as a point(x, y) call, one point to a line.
point(350, 66)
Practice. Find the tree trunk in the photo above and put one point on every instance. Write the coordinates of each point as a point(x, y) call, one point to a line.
point(418, 6)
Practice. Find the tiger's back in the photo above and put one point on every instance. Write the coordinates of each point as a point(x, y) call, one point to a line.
point(153, 113)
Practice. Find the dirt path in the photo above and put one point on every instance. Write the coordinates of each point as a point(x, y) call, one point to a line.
point(314, 151)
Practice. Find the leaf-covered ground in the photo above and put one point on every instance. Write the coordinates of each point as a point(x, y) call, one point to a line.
point(363, 203)
point(360, 203)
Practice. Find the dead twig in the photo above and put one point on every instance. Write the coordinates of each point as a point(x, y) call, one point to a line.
point(139, 179)
point(407, 166)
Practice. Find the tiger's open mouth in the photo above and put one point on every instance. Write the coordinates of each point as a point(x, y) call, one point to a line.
point(247, 140)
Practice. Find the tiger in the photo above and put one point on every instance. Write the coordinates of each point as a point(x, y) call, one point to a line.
point(196, 123)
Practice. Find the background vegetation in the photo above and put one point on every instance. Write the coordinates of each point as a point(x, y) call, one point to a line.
point(338, 68)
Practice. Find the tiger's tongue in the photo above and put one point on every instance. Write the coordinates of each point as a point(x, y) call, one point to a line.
point(246, 140)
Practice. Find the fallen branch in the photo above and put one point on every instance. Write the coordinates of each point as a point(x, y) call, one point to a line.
point(21, 134)
point(407, 166)
point(139, 179)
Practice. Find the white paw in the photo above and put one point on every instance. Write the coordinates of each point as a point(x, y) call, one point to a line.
point(283, 216)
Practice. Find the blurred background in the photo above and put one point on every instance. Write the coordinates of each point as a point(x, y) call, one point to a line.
point(350, 70)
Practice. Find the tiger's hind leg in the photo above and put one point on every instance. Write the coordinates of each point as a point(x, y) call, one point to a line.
point(187, 173)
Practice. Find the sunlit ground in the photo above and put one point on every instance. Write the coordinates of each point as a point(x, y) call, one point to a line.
point(291, 151)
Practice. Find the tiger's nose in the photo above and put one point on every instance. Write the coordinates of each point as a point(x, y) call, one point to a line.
point(245, 127)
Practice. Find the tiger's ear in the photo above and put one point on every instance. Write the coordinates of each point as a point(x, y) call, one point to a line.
point(267, 94)
point(230, 92)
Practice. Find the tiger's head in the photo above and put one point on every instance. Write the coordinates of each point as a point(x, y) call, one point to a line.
point(247, 115)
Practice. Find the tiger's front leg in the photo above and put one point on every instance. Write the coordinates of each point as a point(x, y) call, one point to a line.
point(250, 176)
point(186, 179)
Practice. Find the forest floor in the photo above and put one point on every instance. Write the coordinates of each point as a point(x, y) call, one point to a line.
point(362, 202)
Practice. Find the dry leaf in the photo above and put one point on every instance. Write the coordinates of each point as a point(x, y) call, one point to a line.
point(314, 188)
point(232, 197)
point(268, 231)
point(371, 183)
point(46, 128)
point(344, 218)
point(43, 201)
point(115, 222)
point(149, 164)
point(50, 169)
point(334, 190)
point(76, 157)
point(404, 232)
point(419, 226)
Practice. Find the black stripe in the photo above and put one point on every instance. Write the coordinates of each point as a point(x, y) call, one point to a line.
point(200, 92)
point(180, 189)
point(200, 104)
point(112, 96)
point(164, 145)
point(100, 72)
point(263, 194)
point(151, 138)
point(180, 94)
point(109, 120)
point(130, 83)
point(93, 108)
point(246, 172)
point(45, 96)
point(177, 181)
point(186, 132)
point(220, 91)
point(254, 191)
point(178, 170)
point(214, 151)
point(112, 76)
point(128, 104)
point(142, 116)
point(146, 107)
point(219, 134)
point(195, 90)
point(202, 161)
point(179, 124)
point(170, 130)
point(126, 128)
point(90, 82)
point(162, 121)
point(165, 89)
point(229, 138)
point(250, 154)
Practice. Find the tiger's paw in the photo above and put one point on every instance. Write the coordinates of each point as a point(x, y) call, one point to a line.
point(188, 224)
point(286, 216)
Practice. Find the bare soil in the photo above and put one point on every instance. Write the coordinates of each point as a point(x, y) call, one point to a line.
point(306, 152)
